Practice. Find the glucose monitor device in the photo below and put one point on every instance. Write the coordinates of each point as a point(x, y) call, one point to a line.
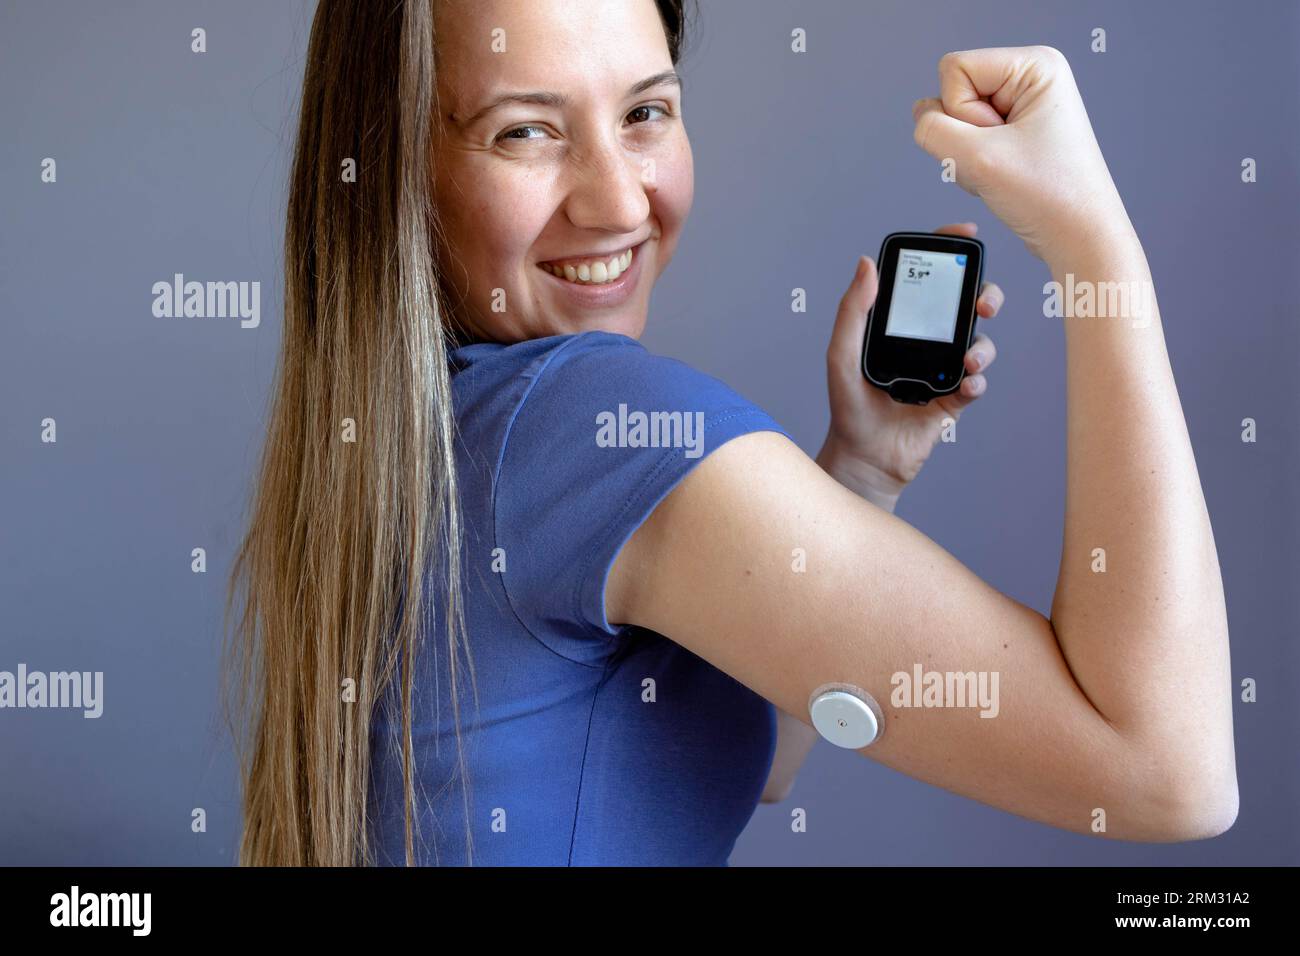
point(846, 715)
point(923, 319)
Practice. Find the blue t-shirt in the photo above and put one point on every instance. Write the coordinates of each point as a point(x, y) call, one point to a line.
point(592, 744)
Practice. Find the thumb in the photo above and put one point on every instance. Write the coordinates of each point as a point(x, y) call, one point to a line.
point(940, 135)
point(851, 319)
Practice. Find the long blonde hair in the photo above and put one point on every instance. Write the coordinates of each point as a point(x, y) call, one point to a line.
point(357, 479)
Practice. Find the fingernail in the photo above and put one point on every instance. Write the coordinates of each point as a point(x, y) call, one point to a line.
point(980, 359)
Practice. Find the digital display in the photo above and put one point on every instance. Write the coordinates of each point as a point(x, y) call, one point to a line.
point(927, 292)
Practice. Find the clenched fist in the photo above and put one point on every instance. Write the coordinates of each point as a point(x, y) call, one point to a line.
point(1013, 123)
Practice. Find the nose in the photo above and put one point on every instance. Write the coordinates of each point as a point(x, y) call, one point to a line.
point(609, 191)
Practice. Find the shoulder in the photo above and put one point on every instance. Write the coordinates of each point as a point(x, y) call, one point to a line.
point(604, 431)
point(605, 364)
point(597, 389)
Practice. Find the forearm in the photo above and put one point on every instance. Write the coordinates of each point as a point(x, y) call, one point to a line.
point(795, 739)
point(1147, 637)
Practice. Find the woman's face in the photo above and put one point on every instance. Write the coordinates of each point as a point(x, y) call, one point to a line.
point(595, 163)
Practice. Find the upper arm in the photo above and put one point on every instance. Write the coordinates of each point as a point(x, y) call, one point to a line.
point(715, 567)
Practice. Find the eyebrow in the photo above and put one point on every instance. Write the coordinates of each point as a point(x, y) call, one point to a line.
point(557, 100)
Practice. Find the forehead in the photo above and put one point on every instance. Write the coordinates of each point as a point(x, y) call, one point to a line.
point(561, 45)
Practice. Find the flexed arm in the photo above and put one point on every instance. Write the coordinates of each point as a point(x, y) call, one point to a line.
point(1121, 701)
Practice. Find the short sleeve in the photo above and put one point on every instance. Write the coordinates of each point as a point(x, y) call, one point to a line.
point(604, 431)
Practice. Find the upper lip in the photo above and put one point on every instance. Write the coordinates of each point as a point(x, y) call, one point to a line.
point(596, 255)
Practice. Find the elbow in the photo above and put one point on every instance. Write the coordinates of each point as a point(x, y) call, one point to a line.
point(1212, 814)
point(1184, 814)
point(1178, 789)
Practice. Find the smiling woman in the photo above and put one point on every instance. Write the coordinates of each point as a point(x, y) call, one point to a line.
point(505, 158)
point(632, 630)
point(553, 153)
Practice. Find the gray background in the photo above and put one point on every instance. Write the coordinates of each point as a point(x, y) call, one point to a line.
point(174, 162)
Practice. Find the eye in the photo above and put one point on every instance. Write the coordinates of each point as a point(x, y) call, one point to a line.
point(509, 134)
point(649, 106)
point(520, 132)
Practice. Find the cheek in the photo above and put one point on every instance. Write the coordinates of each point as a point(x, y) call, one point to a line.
point(492, 222)
point(676, 185)
point(671, 198)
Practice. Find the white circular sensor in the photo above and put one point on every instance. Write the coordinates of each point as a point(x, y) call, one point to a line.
point(845, 715)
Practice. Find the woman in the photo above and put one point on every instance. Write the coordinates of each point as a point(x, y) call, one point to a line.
point(609, 646)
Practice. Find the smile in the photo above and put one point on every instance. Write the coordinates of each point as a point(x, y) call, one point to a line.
point(591, 271)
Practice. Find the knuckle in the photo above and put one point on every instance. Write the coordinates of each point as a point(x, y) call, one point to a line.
point(1051, 54)
point(949, 62)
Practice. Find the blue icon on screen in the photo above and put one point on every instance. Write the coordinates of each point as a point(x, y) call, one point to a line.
point(961, 260)
point(941, 376)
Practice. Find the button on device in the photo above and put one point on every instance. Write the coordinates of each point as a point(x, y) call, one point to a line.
point(845, 715)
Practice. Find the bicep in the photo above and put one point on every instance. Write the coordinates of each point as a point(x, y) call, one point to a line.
point(763, 565)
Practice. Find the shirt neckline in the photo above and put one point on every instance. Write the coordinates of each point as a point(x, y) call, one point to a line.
point(464, 356)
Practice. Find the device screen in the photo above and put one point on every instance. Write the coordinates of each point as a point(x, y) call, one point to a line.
point(927, 291)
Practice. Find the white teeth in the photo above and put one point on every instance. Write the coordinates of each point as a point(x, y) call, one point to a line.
point(594, 273)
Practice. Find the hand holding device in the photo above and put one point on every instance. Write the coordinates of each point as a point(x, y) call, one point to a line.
point(923, 319)
point(875, 445)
